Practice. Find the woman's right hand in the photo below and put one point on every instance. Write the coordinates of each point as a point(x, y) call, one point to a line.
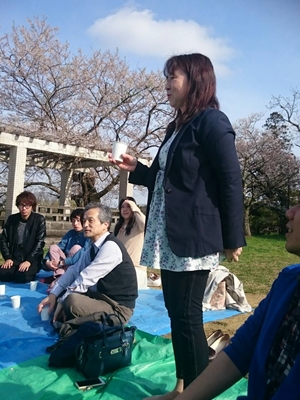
point(129, 162)
point(233, 254)
point(51, 265)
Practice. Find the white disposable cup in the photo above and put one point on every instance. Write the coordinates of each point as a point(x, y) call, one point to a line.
point(33, 285)
point(16, 301)
point(118, 149)
point(45, 314)
point(2, 290)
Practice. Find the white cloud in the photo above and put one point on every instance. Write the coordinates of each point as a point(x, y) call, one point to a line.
point(139, 33)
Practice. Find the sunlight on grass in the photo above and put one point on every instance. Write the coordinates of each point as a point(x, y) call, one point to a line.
point(261, 261)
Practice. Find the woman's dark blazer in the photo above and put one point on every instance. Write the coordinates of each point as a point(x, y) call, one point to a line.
point(203, 187)
point(35, 233)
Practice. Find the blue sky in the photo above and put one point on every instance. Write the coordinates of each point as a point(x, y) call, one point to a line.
point(254, 44)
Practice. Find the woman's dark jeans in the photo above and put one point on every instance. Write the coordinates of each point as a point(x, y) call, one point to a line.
point(183, 295)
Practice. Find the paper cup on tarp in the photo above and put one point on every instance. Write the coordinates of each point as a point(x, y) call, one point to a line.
point(118, 149)
point(45, 314)
point(16, 301)
point(33, 285)
point(2, 290)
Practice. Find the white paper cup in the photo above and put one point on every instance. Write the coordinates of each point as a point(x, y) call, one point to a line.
point(33, 285)
point(16, 301)
point(45, 313)
point(2, 290)
point(118, 149)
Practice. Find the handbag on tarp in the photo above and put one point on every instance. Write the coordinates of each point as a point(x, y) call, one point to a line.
point(105, 351)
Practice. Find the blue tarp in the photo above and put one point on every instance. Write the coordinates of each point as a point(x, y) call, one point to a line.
point(24, 370)
point(24, 336)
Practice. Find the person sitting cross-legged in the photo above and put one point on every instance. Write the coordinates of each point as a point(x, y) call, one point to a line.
point(61, 255)
point(102, 281)
point(267, 345)
point(22, 241)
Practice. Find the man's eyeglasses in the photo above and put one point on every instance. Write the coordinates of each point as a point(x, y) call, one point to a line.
point(26, 206)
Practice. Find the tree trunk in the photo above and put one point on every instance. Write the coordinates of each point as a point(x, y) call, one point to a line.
point(247, 222)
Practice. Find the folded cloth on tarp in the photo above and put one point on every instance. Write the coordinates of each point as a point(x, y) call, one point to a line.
point(235, 297)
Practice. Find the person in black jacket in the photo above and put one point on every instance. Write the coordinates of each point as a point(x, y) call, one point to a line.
point(22, 241)
point(195, 205)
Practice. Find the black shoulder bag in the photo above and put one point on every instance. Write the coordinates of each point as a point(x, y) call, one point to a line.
point(105, 351)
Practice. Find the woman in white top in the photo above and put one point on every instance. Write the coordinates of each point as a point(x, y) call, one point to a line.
point(130, 230)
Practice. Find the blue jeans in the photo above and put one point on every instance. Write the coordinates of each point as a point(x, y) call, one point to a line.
point(183, 294)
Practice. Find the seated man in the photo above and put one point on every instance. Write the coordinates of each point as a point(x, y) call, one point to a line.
point(60, 255)
point(102, 281)
point(22, 241)
point(267, 346)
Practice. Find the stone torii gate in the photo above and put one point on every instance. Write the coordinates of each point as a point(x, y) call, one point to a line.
point(23, 151)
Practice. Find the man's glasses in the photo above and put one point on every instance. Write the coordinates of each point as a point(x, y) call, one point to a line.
point(26, 206)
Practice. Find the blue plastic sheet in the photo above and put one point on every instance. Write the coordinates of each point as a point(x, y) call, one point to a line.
point(24, 336)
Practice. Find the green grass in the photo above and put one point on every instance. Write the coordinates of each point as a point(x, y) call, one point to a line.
point(261, 261)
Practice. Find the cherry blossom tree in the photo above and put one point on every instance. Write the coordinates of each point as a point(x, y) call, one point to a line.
point(48, 92)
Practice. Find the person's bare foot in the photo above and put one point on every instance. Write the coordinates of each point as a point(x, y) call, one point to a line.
point(167, 396)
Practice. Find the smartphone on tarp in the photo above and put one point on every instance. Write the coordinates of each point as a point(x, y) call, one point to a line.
point(88, 384)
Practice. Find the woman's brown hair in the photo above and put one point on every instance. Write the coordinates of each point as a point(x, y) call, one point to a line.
point(120, 222)
point(202, 85)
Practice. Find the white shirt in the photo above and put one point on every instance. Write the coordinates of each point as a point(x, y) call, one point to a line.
point(85, 274)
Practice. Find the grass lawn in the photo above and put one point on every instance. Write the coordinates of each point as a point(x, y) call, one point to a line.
point(261, 261)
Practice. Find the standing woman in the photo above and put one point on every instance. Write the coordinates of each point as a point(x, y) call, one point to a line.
point(22, 241)
point(130, 230)
point(195, 205)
